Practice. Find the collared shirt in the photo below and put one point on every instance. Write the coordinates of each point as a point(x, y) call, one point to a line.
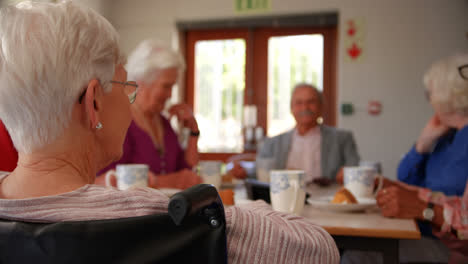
point(305, 153)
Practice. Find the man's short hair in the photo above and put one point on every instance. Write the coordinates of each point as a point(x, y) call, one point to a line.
point(311, 86)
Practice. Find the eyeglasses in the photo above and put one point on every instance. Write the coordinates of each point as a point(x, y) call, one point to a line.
point(463, 70)
point(130, 88)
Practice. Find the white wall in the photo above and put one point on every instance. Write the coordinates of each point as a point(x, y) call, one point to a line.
point(402, 38)
point(101, 6)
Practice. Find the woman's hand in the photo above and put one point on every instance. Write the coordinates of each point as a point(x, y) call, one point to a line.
point(400, 201)
point(386, 182)
point(182, 179)
point(185, 115)
point(433, 130)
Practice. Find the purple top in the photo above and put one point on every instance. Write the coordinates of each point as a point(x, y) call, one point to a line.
point(139, 148)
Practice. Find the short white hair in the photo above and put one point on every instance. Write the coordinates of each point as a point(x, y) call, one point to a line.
point(48, 54)
point(149, 58)
point(446, 86)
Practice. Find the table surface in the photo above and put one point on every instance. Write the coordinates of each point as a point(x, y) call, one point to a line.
point(363, 224)
point(370, 223)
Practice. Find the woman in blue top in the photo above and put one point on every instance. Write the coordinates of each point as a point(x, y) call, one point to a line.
point(439, 159)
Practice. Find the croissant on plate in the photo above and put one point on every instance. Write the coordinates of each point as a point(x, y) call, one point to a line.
point(343, 196)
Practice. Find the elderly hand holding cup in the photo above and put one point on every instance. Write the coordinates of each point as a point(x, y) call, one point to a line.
point(400, 200)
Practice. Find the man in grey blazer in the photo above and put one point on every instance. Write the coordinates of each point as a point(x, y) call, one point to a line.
point(318, 149)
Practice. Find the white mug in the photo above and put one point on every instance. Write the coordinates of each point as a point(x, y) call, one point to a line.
point(129, 175)
point(360, 180)
point(287, 190)
point(374, 164)
point(210, 172)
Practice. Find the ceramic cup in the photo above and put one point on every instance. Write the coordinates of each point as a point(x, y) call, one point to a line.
point(287, 190)
point(263, 168)
point(374, 164)
point(129, 175)
point(210, 172)
point(360, 181)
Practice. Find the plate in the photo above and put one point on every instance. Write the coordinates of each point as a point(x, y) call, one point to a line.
point(325, 203)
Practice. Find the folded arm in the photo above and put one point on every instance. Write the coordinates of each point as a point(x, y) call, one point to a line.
point(256, 234)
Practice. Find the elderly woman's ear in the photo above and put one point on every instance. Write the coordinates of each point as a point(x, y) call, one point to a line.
point(93, 102)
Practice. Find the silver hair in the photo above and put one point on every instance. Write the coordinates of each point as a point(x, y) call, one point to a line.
point(311, 86)
point(48, 54)
point(446, 86)
point(149, 58)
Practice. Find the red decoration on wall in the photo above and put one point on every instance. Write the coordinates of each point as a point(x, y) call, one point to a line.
point(354, 51)
point(354, 39)
point(351, 28)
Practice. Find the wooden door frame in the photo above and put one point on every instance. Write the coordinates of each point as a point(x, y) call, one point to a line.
point(193, 36)
point(256, 75)
point(260, 71)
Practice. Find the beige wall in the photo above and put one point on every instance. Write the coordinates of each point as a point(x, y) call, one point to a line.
point(402, 38)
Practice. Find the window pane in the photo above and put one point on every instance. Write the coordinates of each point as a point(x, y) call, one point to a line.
point(291, 60)
point(219, 94)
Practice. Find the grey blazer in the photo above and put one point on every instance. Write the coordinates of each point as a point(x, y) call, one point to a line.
point(337, 149)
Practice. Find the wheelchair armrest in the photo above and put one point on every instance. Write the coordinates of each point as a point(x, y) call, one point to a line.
point(192, 200)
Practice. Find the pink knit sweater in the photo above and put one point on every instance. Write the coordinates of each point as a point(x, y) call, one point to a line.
point(256, 233)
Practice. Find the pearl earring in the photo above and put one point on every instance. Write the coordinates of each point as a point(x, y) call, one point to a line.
point(99, 126)
point(319, 120)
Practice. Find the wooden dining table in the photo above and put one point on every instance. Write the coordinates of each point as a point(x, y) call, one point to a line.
point(364, 230)
point(367, 231)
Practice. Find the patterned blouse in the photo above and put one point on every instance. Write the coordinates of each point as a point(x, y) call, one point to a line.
point(455, 210)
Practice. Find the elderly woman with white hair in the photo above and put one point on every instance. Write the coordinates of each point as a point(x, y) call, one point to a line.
point(439, 159)
point(150, 138)
point(437, 165)
point(62, 84)
point(65, 100)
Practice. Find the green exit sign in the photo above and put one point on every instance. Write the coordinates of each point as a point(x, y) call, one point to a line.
point(252, 5)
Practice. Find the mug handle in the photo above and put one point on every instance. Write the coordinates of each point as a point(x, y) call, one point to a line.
point(296, 191)
point(380, 185)
point(109, 174)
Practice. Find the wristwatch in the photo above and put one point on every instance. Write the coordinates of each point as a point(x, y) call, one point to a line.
point(428, 212)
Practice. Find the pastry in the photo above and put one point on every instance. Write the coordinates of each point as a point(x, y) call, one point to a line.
point(343, 196)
